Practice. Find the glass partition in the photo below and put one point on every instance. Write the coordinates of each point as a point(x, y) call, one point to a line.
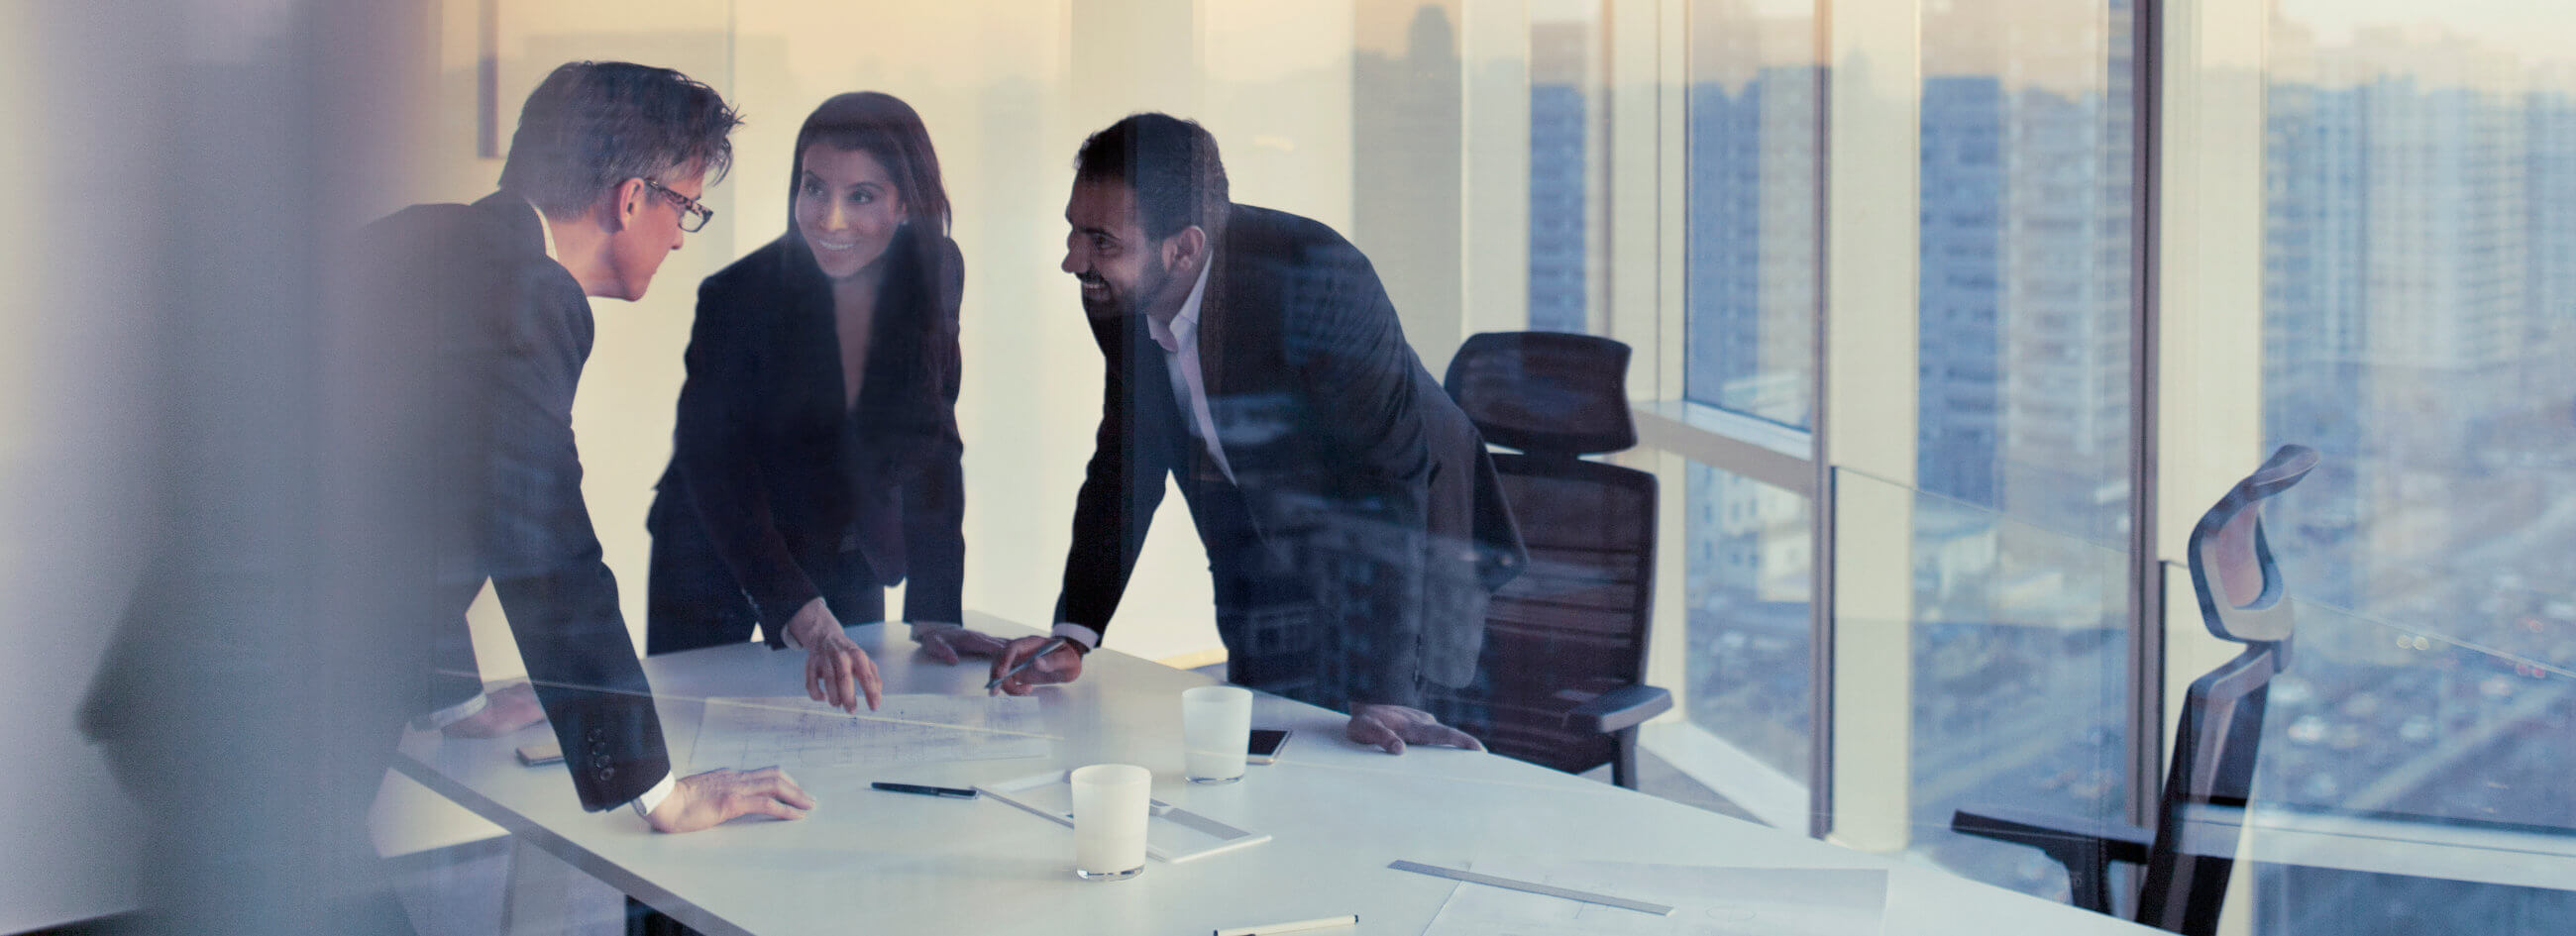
point(1751, 645)
point(2017, 674)
point(2407, 780)
point(2411, 781)
point(2418, 264)
point(2418, 252)
point(2419, 171)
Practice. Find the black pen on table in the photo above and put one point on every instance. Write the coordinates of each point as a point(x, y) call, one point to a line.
point(1048, 647)
point(951, 792)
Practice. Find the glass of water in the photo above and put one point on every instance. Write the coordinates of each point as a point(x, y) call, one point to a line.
point(1216, 727)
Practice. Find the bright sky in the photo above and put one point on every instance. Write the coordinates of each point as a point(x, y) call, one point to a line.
point(2538, 30)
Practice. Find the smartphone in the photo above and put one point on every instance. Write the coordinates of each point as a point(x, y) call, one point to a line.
point(539, 755)
point(1266, 743)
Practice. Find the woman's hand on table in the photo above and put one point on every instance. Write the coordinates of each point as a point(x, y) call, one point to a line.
point(837, 672)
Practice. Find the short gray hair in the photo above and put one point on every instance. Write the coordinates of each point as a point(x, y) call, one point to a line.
point(593, 125)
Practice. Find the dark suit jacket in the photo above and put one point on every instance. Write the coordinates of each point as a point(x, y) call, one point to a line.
point(1354, 464)
point(780, 472)
point(505, 331)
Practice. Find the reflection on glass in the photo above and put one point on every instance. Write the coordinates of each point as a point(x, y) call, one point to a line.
point(2419, 262)
point(1755, 104)
point(1408, 137)
point(2419, 265)
point(2019, 659)
point(2027, 193)
point(1750, 641)
point(2378, 721)
point(2025, 419)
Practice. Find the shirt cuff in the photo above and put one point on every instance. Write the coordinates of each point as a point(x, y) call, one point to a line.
point(652, 799)
point(450, 715)
point(787, 635)
point(1088, 638)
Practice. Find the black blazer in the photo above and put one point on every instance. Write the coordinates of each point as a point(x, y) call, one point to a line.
point(1356, 466)
point(780, 473)
point(507, 331)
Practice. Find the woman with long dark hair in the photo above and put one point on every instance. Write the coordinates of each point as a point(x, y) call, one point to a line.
point(817, 459)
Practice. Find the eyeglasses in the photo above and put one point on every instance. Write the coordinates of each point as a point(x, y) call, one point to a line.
point(693, 216)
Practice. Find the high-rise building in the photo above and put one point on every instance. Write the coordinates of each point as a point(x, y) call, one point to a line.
point(1960, 288)
point(2025, 281)
point(1560, 176)
point(1407, 142)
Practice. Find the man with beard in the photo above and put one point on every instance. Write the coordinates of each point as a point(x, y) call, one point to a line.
point(1353, 523)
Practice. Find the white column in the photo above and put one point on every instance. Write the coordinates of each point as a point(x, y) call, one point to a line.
point(1867, 424)
point(1642, 39)
point(2210, 326)
point(1494, 43)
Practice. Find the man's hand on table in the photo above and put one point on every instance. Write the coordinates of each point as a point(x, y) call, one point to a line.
point(505, 710)
point(837, 672)
point(1062, 666)
point(949, 643)
point(713, 798)
point(1391, 727)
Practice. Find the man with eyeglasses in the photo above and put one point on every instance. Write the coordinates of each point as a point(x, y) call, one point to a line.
point(601, 184)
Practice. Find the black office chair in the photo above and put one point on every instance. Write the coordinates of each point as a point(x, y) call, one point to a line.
point(1560, 680)
point(2241, 599)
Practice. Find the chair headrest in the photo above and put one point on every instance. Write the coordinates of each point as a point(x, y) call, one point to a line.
point(2232, 572)
point(1545, 392)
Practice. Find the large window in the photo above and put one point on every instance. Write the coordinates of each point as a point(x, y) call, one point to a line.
point(1753, 226)
point(2419, 263)
point(1751, 644)
point(1564, 142)
point(2018, 654)
point(2028, 195)
point(1751, 251)
point(2026, 421)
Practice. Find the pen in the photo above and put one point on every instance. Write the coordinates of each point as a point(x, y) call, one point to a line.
point(1032, 659)
point(1352, 919)
point(924, 790)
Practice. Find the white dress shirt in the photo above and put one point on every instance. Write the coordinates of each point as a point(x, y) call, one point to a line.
point(1180, 344)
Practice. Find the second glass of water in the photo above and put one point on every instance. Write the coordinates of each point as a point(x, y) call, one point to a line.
point(1216, 727)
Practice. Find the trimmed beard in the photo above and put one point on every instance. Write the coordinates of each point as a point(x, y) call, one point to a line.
point(1148, 288)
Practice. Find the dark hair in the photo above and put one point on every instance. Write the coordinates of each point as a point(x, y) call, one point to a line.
point(920, 288)
point(1171, 164)
point(593, 125)
point(885, 127)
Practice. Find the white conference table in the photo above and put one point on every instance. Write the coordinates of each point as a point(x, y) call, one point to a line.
point(877, 862)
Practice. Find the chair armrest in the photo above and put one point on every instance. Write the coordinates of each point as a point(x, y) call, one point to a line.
point(2048, 831)
point(1619, 709)
point(2085, 847)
